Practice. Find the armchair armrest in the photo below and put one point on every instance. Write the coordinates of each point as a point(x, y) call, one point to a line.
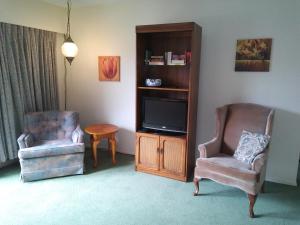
point(77, 135)
point(209, 148)
point(25, 140)
point(259, 162)
point(44, 151)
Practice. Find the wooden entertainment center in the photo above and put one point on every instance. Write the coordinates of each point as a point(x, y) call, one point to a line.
point(161, 153)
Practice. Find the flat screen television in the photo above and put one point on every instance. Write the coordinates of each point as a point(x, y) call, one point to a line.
point(164, 114)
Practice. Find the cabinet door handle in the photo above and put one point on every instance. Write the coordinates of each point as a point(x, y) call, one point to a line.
point(161, 150)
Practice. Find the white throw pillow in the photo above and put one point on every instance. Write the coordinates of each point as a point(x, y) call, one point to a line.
point(250, 145)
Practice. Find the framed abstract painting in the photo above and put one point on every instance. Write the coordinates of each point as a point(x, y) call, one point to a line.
point(109, 68)
point(253, 55)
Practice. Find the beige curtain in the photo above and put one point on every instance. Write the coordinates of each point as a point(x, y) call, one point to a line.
point(28, 80)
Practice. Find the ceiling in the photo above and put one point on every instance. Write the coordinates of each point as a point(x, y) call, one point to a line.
point(79, 3)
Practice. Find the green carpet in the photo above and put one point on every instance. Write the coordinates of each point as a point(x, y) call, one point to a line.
point(119, 195)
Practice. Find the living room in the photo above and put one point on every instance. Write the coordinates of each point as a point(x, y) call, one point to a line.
point(117, 194)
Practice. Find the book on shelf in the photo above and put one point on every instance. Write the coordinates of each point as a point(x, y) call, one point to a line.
point(157, 57)
point(156, 63)
point(174, 59)
point(157, 60)
point(169, 58)
point(178, 62)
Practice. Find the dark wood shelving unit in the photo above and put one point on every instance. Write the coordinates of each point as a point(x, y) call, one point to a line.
point(168, 155)
point(166, 65)
point(164, 89)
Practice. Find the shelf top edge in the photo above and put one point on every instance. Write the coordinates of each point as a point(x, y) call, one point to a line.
point(163, 88)
point(187, 26)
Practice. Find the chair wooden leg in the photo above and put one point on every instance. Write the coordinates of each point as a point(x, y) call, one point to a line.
point(252, 199)
point(196, 183)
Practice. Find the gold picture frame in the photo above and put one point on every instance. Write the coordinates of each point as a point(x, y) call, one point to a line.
point(253, 55)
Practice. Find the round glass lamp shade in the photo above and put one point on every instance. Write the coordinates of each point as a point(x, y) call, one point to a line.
point(69, 49)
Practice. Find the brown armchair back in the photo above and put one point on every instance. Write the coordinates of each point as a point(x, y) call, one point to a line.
point(244, 116)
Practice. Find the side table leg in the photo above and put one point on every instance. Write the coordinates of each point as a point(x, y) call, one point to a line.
point(91, 142)
point(109, 147)
point(113, 149)
point(94, 143)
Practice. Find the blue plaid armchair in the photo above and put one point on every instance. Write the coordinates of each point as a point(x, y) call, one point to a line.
point(51, 145)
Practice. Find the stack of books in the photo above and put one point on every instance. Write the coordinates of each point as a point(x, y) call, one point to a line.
point(156, 60)
point(168, 59)
point(173, 59)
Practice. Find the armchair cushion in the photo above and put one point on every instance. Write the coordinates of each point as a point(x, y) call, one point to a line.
point(51, 125)
point(250, 145)
point(238, 174)
point(227, 162)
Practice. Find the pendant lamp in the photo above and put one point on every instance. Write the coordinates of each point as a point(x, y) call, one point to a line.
point(69, 48)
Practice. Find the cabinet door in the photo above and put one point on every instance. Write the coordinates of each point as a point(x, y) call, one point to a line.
point(147, 151)
point(172, 158)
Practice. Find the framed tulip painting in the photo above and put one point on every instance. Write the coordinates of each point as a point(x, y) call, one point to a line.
point(253, 55)
point(109, 68)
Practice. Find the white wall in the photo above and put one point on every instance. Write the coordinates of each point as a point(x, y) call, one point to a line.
point(33, 13)
point(110, 30)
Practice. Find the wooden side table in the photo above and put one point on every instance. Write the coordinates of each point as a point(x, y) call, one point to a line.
point(99, 131)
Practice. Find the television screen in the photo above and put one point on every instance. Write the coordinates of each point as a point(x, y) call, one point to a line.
point(164, 114)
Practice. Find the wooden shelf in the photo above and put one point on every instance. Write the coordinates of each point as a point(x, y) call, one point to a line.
point(164, 89)
point(167, 155)
point(166, 65)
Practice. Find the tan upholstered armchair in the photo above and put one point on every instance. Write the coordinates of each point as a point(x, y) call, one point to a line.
point(216, 161)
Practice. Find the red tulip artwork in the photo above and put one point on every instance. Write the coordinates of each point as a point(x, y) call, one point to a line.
point(109, 68)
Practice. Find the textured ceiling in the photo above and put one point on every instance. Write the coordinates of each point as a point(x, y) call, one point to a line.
point(78, 3)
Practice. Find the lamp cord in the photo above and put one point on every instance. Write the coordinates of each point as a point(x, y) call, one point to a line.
point(67, 35)
point(68, 15)
point(65, 65)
